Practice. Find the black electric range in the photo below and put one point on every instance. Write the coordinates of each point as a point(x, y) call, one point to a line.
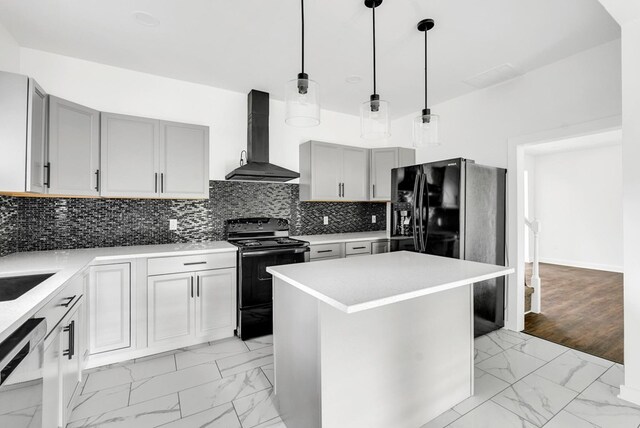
point(262, 242)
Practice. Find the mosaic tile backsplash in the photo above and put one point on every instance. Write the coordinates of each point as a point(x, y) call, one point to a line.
point(33, 224)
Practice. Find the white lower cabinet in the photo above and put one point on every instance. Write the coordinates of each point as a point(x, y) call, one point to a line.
point(185, 308)
point(109, 307)
point(348, 249)
point(380, 247)
point(51, 396)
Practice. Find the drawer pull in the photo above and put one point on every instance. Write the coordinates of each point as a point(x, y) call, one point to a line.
point(325, 251)
point(68, 301)
point(359, 248)
point(194, 263)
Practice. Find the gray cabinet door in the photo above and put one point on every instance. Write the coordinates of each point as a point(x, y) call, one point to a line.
point(74, 148)
point(326, 171)
point(37, 174)
point(382, 162)
point(129, 156)
point(355, 173)
point(184, 160)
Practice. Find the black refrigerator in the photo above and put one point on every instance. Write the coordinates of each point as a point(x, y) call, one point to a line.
point(455, 208)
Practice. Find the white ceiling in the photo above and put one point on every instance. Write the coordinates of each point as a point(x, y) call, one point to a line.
point(592, 141)
point(245, 44)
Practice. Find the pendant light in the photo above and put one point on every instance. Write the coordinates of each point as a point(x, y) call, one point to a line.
point(374, 113)
point(302, 97)
point(425, 126)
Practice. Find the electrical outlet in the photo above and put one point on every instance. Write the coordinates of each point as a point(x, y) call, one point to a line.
point(173, 224)
point(325, 220)
point(373, 219)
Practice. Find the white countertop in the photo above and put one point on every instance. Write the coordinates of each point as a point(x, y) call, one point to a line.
point(360, 283)
point(67, 263)
point(334, 238)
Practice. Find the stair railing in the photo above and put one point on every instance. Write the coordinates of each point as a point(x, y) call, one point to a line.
point(536, 297)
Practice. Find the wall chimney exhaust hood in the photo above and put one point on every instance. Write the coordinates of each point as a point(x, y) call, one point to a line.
point(258, 167)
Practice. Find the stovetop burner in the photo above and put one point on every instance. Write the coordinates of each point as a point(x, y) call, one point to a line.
point(262, 233)
point(249, 243)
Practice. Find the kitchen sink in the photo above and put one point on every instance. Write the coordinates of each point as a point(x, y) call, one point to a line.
point(12, 287)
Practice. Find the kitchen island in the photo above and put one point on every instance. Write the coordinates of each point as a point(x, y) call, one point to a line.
point(376, 341)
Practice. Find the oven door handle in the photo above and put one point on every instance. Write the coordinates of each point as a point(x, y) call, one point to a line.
point(297, 250)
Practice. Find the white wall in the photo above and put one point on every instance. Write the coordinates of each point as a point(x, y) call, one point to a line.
point(530, 205)
point(578, 201)
point(9, 52)
point(580, 88)
point(118, 90)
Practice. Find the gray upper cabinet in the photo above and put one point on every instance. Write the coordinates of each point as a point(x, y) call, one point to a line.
point(23, 139)
point(74, 148)
point(383, 160)
point(129, 156)
point(332, 172)
point(184, 160)
point(143, 157)
point(355, 179)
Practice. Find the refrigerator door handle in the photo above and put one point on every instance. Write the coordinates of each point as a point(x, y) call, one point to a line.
point(425, 210)
point(415, 212)
point(420, 218)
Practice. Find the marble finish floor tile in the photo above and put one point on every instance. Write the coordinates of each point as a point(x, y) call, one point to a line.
point(102, 401)
point(542, 349)
point(223, 416)
point(573, 369)
point(273, 423)
point(256, 409)
point(127, 373)
point(269, 372)
point(17, 398)
point(225, 390)
point(535, 398)
point(259, 342)
point(144, 415)
point(486, 386)
point(173, 382)
point(491, 415)
point(193, 356)
point(22, 418)
point(510, 365)
point(600, 405)
point(479, 355)
point(443, 420)
point(614, 376)
point(565, 419)
point(246, 361)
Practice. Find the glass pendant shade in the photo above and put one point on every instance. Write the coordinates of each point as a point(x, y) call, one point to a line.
point(302, 103)
point(374, 120)
point(425, 130)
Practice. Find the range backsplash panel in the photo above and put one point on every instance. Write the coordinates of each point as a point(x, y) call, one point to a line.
point(33, 224)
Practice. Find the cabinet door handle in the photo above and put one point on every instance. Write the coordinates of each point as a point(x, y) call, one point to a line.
point(162, 182)
point(68, 301)
point(47, 182)
point(71, 329)
point(373, 190)
point(198, 286)
point(155, 180)
point(97, 180)
point(192, 287)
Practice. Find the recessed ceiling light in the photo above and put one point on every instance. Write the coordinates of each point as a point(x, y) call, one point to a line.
point(354, 79)
point(146, 19)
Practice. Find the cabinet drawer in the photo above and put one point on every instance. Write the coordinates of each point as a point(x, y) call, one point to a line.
point(358, 248)
point(62, 302)
point(325, 250)
point(164, 265)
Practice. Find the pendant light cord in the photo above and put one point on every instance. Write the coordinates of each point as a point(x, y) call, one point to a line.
point(302, 13)
point(374, 47)
point(426, 104)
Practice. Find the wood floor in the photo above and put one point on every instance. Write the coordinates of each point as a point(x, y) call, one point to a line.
point(581, 309)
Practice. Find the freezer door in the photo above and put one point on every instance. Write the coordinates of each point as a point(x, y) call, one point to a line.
point(484, 240)
point(441, 207)
point(405, 184)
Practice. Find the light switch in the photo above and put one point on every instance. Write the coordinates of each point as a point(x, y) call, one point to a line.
point(173, 224)
point(325, 219)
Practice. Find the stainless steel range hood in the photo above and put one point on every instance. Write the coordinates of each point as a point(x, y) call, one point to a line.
point(258, 167)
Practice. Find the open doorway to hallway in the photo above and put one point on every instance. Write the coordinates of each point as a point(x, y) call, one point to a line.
point(573, 243)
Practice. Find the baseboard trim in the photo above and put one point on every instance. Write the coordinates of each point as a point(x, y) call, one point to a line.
point(630, 394)
point(594, 266)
